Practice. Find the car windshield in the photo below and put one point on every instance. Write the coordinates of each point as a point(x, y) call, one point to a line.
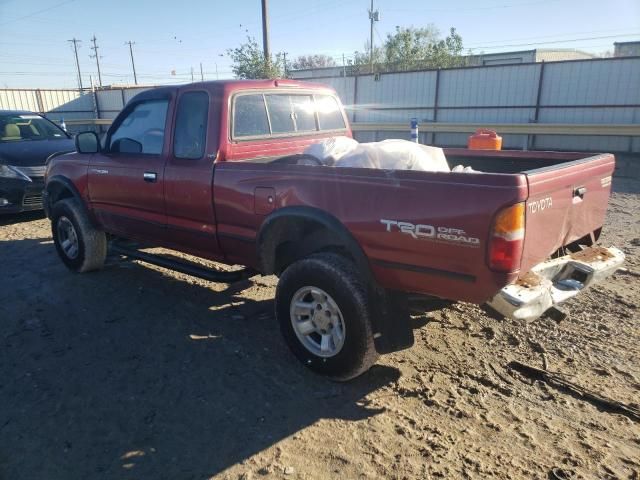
point(21, 127)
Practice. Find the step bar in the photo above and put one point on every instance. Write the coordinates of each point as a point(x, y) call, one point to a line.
point(182, 266)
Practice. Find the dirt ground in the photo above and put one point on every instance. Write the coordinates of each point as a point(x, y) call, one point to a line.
point(137, 372)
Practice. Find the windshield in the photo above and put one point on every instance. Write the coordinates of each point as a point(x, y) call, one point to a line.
point(27, 127)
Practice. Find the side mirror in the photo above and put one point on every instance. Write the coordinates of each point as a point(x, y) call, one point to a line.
point(87, 142)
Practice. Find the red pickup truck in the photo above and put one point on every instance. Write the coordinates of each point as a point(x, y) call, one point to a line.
point(215, 170)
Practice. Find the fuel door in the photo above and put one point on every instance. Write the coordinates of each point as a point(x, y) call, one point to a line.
point(264, 199)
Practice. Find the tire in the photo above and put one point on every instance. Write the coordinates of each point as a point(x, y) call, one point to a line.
point(70, 224)
point(337, 277)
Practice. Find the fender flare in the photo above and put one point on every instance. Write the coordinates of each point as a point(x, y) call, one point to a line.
point(340, 236)
point(59, 182)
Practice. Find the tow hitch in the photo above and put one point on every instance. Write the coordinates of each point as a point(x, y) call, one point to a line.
point(555, 281)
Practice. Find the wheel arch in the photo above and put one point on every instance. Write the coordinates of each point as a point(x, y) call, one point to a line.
point(58, 188)
point(291, 233)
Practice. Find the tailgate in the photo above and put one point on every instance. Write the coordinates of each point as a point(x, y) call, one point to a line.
point(566, 202)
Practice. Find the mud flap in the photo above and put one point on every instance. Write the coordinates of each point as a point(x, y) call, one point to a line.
point(392, 329)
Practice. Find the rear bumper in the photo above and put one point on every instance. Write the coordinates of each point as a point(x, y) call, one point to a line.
point(555, 281)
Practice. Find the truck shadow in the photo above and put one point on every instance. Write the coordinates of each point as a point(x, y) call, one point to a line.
point(133, 372)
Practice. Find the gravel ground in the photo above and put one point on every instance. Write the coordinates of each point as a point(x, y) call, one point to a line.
point(138, 372)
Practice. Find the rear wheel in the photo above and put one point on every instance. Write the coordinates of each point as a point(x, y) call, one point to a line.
point(323, 311)
point(79, 244)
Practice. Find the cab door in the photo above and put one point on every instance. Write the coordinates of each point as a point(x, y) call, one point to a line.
point(126, 180)
point(191, 222)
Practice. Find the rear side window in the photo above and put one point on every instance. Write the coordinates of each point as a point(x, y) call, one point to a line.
point(304, 112)
point(191, 125)
point(329, 113)
point(280, 113)
point(250, 116)
point(142, 130)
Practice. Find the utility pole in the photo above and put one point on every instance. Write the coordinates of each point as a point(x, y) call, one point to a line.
point(374, 16)
point(265, 31)
point(201, 74)
point(191, 74)
point(95, 55)
point(133, 64)
point(75, 42)
point(284, 54)
point(344, 67)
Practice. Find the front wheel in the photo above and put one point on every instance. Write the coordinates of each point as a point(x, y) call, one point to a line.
point(324, 315)
point(80, 245)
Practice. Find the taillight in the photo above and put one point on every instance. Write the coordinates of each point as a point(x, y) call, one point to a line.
point(507, 239)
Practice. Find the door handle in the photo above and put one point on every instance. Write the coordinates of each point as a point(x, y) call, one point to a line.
point(151, 177)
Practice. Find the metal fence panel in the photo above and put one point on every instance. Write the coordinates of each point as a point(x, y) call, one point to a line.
point(603, 92)
point(603, 82)
point(509, 85)
point(372, 115)
point(110, 101)
point(18, 100)
point(582, 142)
point(488, 115)
point(66, 101)
point(129, 93)
point(413, 89)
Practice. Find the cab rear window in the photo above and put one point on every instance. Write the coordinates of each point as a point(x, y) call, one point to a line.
point(250, 116)
point(329, 113)
point(283, 114)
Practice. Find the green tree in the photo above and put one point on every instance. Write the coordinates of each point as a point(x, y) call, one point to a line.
point(249, 62)
point(361, 61)
point(409, 47)
point(447, 53)
point(414, 48)
point(312, 61)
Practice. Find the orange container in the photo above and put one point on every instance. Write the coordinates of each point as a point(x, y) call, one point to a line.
point(484, 139)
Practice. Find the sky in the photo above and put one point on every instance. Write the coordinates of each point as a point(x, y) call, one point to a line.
point(171, 38)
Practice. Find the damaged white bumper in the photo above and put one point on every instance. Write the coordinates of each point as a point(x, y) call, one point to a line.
point(554, 281)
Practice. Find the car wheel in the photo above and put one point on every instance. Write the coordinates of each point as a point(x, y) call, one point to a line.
point(324, 314)
point(81, 246)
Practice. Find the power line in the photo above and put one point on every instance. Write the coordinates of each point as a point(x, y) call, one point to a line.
point(13, 20)
point(554, 41)
point(620, 33)
point(488, 7)
point(75, 42)
point(97, 57)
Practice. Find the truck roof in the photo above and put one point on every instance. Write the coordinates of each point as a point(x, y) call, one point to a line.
point(274, 83)
point(235, 85)
point(231, 86)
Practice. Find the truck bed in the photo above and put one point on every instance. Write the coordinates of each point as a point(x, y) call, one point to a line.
point(510, 161)
point(462, 205)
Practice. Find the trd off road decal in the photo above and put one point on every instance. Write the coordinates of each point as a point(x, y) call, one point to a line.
point(430, 232)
